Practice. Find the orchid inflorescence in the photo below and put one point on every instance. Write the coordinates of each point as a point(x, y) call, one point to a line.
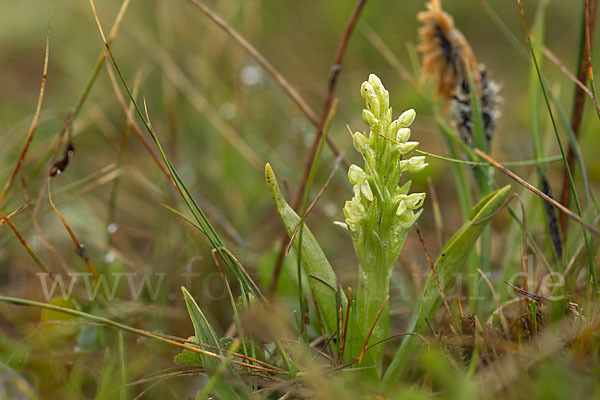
point(381, 211)
point(384, 152)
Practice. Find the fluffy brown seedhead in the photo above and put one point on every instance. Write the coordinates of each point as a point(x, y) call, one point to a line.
point(447, 56)
point(446, 53)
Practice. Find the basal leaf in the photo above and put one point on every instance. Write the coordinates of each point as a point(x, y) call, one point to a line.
point(205, 334)
point(316, 264)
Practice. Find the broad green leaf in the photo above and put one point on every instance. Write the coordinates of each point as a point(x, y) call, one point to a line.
point(449, 264)
point(314, 261)
point(316, 264)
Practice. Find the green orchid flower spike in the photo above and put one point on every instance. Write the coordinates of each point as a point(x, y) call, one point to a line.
point(382, 211)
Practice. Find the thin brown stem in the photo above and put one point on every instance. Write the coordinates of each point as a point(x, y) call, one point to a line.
point(435, 276)
point(333, 76)
point(535, 190)
point(401, 335)
point(285, 85)
point(317, 197)
point(12, 214)
point(524, 250)
point(79, 248)
point(345, 332)
point(28, 248)
point(578, 103)
point(320, 125)
point(34, 122)
point(66, 126)
point(364, 348)
point(580, 85)
point(501, 316)
point(319, 318)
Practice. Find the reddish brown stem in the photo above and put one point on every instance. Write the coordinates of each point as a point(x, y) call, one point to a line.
point(578, 103)
point(362, 352)
point(334, 73)
point(34, 122)
point(535, 190)
point(280, 79)
point(335, 70)
point(434, 273)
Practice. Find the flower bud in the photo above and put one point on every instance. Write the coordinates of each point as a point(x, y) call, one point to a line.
point(375, 81)
point(369, 119)
point(407, 148)
point(360, 141)
point(360, 180)
point(402, 135)
point(407, 118)
point(413, 164)
point(362, 145)
point(355, 174)
point(382, 95)
point(368, 93)
point(388, 117)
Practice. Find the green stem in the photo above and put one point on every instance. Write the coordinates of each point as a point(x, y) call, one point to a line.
point(373, 290)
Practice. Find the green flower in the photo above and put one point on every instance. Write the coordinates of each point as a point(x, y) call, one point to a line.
point(360, 180)
point(354, 213)
point(413, 164)
point(379, 224)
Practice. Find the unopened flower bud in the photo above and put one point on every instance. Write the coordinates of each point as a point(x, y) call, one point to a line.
point(369, 119)
point(403, 134)
point(407, 118)
point(382, 94)
point(355, 174)
point(407, 148)
point(360, 180)
point(368, 93)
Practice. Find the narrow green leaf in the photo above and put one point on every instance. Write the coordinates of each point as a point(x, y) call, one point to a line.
point(450, 262)
point(123, 395)
point(205, 334)
point(106, 388)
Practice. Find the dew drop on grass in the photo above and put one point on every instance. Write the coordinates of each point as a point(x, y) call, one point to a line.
point(35, 242)
point(251, 75)
point(112, 228)
point(109, 257)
